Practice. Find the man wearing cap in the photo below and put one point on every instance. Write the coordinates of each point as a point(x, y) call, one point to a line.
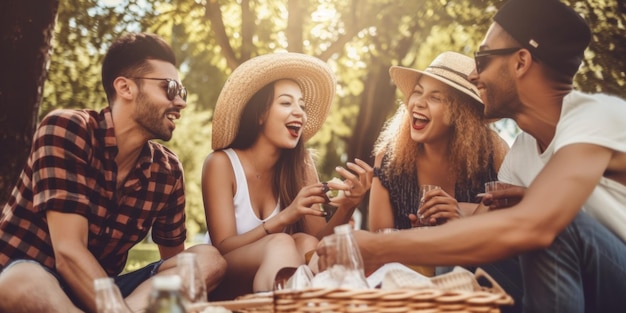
point(570, 226)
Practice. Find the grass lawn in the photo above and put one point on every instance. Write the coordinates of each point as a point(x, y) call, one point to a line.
point(141, 255)
point(145, 253)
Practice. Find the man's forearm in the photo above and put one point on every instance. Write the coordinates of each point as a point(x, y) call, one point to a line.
point(494, 235)
point(79, 269)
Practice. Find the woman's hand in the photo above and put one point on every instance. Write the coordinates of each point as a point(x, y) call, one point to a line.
point(437, 207)
point(354, 186)
point(307, 202)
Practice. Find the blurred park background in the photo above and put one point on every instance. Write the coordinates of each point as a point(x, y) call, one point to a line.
point(52, 52)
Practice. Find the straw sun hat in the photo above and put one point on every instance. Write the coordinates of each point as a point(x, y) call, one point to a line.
point(314, 77)
point(450, 68)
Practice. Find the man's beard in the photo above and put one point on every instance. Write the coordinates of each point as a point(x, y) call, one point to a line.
point(151, 118)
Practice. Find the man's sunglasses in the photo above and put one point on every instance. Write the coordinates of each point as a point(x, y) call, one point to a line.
point(173, 89)
point(482, 57)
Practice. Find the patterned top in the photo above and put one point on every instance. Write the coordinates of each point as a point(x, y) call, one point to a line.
point(404, 194)
point(72, 169)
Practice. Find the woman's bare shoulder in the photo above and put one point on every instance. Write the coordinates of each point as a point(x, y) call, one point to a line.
point(217, 162)
point(218, 157)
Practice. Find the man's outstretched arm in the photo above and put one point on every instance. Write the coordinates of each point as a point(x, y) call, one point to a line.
point(549, 205)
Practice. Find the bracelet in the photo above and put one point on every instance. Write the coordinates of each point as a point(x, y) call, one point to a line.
point(265, 228)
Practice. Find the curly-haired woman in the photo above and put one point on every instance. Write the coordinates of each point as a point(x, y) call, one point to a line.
point(440, 137)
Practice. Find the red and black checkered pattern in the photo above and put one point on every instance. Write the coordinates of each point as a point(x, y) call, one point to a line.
point(72, 169)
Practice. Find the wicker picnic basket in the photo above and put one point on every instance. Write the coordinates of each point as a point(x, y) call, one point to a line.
point(482, 299)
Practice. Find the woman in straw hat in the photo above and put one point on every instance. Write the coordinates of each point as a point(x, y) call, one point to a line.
point(438, 138)
point(262, 195)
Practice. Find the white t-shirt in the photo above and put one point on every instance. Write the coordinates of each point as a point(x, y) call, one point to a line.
point(245, 217)
point(598, 119)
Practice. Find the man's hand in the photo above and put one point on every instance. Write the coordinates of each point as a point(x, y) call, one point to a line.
point(503, 198)
point(371, 259)
point(326, 251)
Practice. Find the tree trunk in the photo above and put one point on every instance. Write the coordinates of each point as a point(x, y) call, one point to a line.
point(295, 23)
point(377, 102)
point(26, 29)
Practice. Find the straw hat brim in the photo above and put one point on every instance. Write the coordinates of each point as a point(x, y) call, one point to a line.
point(315, 78)
point(450, 68)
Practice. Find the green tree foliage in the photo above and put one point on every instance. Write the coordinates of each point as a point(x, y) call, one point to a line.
point(192, 143)
point(360, 39)
point(603, 69)
point(84, 30)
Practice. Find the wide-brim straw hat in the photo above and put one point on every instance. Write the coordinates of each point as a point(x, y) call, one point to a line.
point(450, 68)
point(315, 78)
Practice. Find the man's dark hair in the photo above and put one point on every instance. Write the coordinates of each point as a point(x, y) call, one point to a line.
point(127, 56)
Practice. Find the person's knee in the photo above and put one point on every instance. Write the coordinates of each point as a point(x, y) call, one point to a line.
point(282, 248)
point(210, 261)
point(27, 283)
point(306, 241)
point(14, 284)
point(19, 275)
point(281, 240)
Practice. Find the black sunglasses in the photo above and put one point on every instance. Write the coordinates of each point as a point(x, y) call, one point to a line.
point(173, 88)
point(482, 57)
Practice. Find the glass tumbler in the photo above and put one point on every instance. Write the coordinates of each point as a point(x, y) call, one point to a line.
point(193, 287)
point(495, 186)
point(423, 189)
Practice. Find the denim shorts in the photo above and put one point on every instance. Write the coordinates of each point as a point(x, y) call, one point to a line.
point(125, 282)
point(129, 281)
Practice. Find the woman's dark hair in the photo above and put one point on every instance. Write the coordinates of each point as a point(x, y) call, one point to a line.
point(290, 170)
point(127, 56)
point(251, 116)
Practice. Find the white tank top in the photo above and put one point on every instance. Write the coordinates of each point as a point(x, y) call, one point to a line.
point(245, 218)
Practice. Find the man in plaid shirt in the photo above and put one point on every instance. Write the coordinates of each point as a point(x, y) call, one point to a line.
point(94, 185)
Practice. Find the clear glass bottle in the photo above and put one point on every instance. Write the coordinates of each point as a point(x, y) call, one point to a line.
point(165, 296)
point(108, 296)
point(348, 270)
point(193, 287)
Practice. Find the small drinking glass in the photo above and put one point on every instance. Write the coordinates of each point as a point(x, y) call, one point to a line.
point(423, 189)
point(193, 287)
point(495, 186)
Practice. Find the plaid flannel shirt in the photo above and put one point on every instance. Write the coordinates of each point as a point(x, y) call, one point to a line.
point(72, 169)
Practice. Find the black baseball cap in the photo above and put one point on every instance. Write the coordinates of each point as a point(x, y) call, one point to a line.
point(553, 32)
